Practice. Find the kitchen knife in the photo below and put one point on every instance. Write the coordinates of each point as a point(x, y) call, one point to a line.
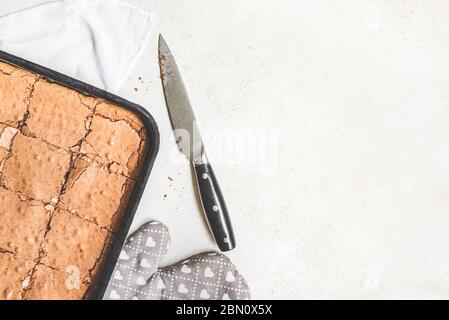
point(189, 142)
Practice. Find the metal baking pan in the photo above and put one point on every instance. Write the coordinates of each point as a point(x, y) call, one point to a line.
point(100, 283)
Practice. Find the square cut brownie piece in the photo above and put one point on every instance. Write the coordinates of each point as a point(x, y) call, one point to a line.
point(113, 141)
point(35, 168)
point(95, 194)
point(59, 115)
point(73, 244)
point(15, 88)
point(22, 224)
point(51, 284)
point(13, 274)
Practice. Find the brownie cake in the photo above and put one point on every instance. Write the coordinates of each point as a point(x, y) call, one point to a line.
point(68, 163)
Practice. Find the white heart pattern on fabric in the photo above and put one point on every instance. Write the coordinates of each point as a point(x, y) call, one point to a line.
point(118, 276)
point(123, 255)
point(138, 273)
point(208, 273)
point(141, 281)
point(204, 294)
point(161, 285)
point(182, 288)
point(230, 277)
point(186, 269)
point(145, 264)
point(114, 295)
point(150, 242)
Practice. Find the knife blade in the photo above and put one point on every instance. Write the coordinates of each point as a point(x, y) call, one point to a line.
point(190, 143)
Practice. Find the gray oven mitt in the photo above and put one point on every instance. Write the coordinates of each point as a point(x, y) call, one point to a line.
point(137, 276)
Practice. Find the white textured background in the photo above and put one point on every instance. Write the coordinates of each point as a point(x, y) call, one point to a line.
point(351, 98)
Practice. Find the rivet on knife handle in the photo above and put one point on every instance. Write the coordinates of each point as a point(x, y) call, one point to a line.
point(214, 207)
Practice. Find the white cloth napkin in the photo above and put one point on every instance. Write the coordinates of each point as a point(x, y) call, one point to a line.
point(94, 41)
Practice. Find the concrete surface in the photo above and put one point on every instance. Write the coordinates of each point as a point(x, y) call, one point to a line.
point(327, 122)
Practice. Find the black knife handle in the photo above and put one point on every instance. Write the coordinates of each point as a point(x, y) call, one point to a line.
point(214, 207)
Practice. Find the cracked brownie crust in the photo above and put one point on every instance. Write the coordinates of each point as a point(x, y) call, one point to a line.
point(17, 234)
point(48, 109)
point(15, 88)
point(51, 284)
point(35, 168)
point(87, 183)
point(68, 166)
point(14, 272)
